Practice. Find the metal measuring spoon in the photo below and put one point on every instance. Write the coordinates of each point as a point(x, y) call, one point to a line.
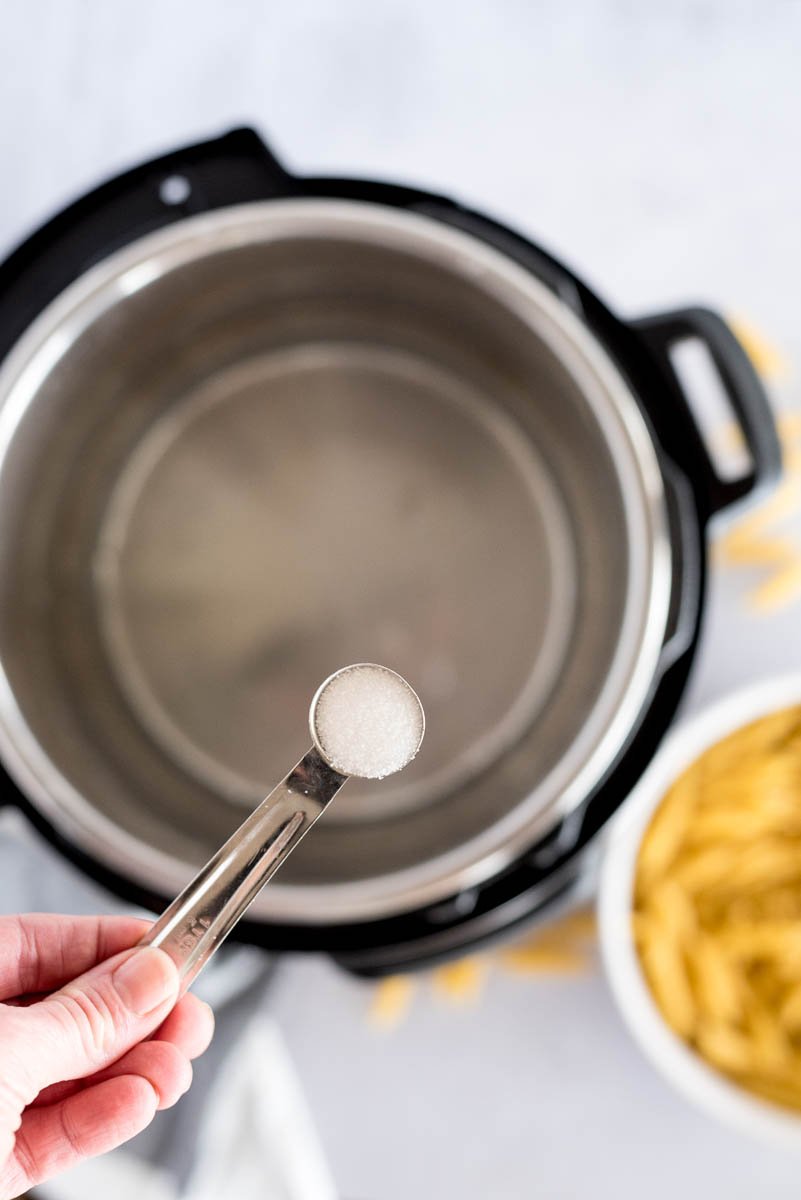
point(365, 721)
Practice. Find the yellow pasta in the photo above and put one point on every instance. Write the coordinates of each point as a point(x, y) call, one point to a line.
point(772, 1051)
point(775, 592)
point(769, 360)
point(717, 907)
point(391, 1001)
point(566, 947)
point(719, 984)
point(775, 1088)
point(790, 1011)
point(757, 542)
point(461, 982)
point(544, 958)
point(725, 1046)
point(666, 969)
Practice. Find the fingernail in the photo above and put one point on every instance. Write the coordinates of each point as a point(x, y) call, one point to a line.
point(145, 980)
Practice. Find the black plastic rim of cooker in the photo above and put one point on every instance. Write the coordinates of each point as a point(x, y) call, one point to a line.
point(237, 168)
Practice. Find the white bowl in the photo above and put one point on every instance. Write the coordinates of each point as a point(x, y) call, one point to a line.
point(685, 1070)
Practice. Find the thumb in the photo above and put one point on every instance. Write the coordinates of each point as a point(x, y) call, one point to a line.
point(90, 1022)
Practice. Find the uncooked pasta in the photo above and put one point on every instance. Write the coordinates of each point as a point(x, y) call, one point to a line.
point(717, 907)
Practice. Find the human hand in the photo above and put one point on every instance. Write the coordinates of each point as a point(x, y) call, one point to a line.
point(76, 1078)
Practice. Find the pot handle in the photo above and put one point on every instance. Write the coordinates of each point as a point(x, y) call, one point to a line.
point(744, 391)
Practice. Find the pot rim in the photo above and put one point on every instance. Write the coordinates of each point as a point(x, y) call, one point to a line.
point(685, 1070)
point(623, 425)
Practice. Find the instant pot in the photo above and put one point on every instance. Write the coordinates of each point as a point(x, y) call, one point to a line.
point(254, 427)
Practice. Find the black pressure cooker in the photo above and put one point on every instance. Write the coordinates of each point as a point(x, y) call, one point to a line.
point(254, 427)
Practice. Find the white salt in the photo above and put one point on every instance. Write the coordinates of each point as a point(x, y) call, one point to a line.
point(367, 721)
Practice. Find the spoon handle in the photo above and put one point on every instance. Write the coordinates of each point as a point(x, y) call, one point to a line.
point(202, 916)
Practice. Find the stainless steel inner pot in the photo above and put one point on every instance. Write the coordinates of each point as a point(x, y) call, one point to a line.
point(281, 437)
